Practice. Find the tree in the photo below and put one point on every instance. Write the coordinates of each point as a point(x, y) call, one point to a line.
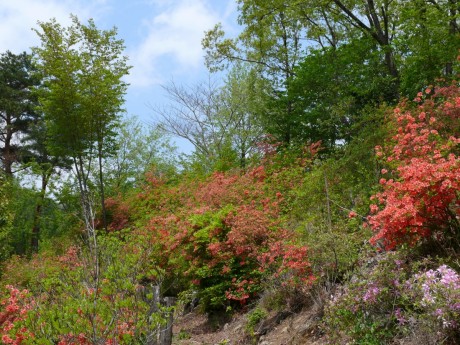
point(431, 44)
point(193, 116)
point(38, 158)
point(271, 40)
point(82, 98)
point(403, 45)
point(139, 150)
point(334, 88)
point(244, 102)
point(17, 105)
point(83, 69)
point(221, 122)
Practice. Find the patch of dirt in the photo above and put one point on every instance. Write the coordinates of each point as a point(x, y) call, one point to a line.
point(281, 328)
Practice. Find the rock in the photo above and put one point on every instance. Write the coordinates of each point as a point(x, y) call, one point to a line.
point(237, 328)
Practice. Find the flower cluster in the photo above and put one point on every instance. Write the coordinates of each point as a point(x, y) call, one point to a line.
point(395, 298)
point(438, 292)
point(226, 237)
point(14, 310)
point(420, 196)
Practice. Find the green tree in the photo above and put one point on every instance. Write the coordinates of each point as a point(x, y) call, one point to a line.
point(139, 150)
point(271, 40)
point(82, 99)
point(243, 103)
point(41, 163)
point(335, 88)
point(17, 105)
point(316, 54)
point(430, 45)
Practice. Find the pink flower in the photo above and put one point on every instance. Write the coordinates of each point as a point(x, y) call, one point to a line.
point(6, 339)
point(400, 317)
point(371, 294)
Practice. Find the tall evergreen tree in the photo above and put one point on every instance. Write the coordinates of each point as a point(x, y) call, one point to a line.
point(17, 105)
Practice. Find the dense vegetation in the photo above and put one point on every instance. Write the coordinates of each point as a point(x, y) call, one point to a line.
point(326, 168)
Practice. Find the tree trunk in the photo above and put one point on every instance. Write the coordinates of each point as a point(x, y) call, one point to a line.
point(8, 154)
point(37, 215)
point(453, 30)
point(101, 182)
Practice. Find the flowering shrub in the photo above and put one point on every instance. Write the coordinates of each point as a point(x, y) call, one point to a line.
point(226, 237)
point(75, 304)
point(117, 214)
point(437, 293)
point(364, 310)
point(395, 298)
point(13, 312)
point(420, 197)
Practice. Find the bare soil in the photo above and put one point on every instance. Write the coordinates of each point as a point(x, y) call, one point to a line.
point(277, 329)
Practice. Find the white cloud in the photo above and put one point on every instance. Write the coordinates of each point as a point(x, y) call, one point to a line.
point(18, 17)
point(163, 36)
point(174, 33)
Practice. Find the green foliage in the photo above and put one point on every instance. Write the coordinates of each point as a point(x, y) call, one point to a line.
point(70, 302)
point(333, 87)
point(55, 221)
point(223, 236)
point(254, 317)
point(6, 219)
point(183, 335)
point(139, 150)
point(83, 69)
point(319, 207)
point(430, 47)
point(17, 106)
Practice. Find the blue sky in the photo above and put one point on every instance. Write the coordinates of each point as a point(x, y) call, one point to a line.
point(162, 37)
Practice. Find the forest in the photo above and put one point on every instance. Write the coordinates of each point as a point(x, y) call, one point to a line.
point(325, 172)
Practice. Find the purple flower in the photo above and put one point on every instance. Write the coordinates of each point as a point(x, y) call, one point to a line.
point(371, 294)
point(400, 317)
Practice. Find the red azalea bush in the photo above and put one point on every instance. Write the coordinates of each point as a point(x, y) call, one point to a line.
point(421, 189)
point(117, 213)
point(13, 310)
point(226, 236)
